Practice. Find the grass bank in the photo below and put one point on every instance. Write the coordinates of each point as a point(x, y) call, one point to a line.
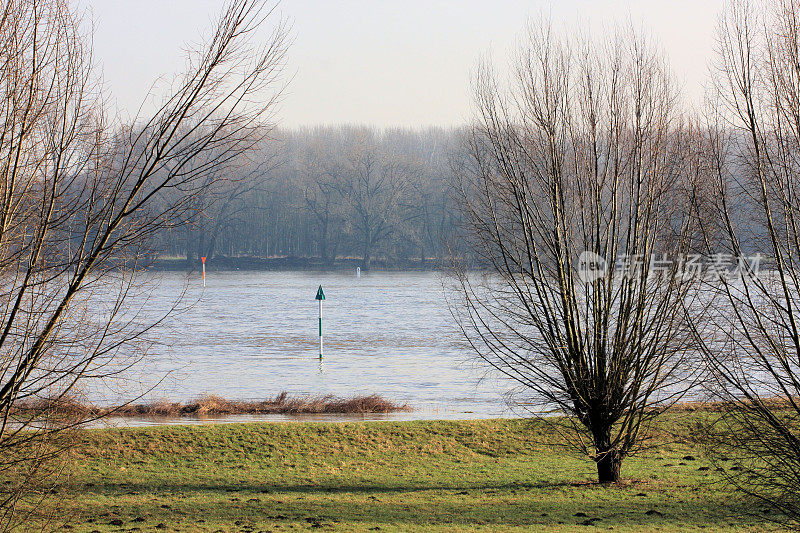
point(385, 476)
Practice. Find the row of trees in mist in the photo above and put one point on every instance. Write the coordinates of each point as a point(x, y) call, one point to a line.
point(327, 193)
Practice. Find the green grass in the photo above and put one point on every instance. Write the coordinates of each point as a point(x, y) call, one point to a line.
point(405, 476)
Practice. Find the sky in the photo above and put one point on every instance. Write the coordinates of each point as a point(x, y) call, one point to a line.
point(380, 62)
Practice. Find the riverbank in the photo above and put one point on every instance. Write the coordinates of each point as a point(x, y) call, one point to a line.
point(292, 263)
point(490, 475)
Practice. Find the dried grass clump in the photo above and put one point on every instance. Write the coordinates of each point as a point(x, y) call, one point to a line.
point(212, 405)
point(728, 406)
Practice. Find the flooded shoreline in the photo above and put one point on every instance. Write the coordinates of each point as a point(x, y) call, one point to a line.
point(398, 416)
point(251, 335)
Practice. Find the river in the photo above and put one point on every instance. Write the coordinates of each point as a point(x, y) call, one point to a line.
point(252, 335)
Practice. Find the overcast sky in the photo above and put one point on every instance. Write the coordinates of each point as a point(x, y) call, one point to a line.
point(387, 63)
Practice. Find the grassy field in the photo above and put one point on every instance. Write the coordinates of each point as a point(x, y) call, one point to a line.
point(406, 476)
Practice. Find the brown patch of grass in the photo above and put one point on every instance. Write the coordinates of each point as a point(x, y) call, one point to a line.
point(723, 407)
point(216, 405)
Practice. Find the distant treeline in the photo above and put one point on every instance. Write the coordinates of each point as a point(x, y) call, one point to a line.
point(336, 197)
point(327, 196)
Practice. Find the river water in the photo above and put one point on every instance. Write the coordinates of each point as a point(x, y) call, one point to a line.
point(252, 335)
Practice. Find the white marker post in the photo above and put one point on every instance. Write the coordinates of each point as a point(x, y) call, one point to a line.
point(320, 296)
point(203, 259)
point(358, 272)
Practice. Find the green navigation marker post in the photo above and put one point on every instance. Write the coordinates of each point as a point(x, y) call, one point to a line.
point(320, 296)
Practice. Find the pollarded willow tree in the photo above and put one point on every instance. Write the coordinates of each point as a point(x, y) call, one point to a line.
point(579, 163)
point(81, 194)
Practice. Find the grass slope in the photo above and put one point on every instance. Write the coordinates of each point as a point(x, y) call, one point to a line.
point(384, 476)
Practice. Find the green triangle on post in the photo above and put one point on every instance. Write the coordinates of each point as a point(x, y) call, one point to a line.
point(320, 294)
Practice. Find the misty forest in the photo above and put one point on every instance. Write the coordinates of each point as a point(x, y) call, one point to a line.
point(322, 194)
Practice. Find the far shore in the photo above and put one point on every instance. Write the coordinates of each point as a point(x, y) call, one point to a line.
point(222, 263)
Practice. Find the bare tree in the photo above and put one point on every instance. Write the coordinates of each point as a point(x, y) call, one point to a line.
point(753, 345)
point(372, 188)
point(217, 204)
point(78, 200)
point(322, 172)
point(573, 208)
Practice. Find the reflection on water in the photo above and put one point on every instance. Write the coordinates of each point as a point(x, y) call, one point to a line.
point(252, 335)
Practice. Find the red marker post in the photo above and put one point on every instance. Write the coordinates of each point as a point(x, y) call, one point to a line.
point(203, 259)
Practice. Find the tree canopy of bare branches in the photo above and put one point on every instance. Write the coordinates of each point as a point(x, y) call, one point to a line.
point(81, 194)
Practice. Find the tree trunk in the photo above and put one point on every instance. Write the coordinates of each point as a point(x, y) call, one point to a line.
point(211, 247)
point(323, 244)
point(608, 458)
point(367, 254)
point(609, 464)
